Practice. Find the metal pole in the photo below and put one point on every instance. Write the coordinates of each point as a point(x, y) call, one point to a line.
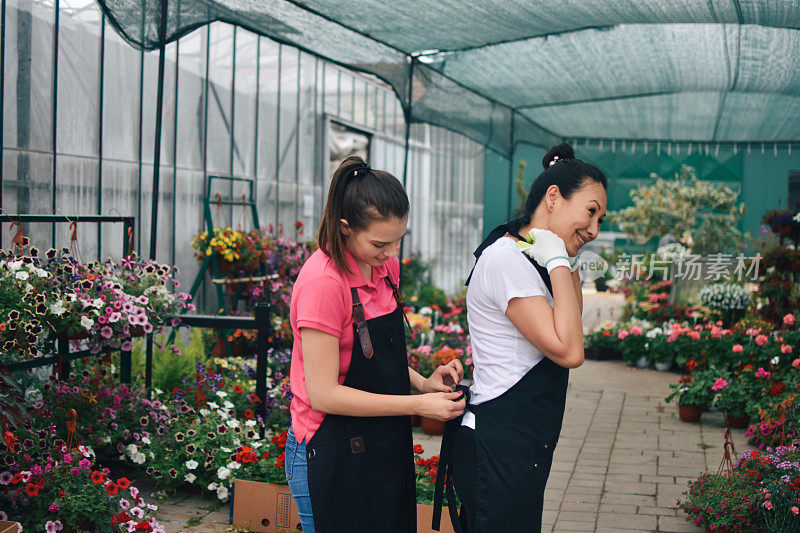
point(262, 344)
point(162, 33)
point(511, 214)
point(407, 114)
point(2, 92)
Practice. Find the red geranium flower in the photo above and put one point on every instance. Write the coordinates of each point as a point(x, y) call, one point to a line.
point(123, 483)
point(120, 518)
point(247, 455)
point(281, 460)
point(248, 414)
point(32, 489)
point(144, 525)
point(237, 389)
point(280, 440)
point(417, 449)
point(112, 488)
point(98, 477)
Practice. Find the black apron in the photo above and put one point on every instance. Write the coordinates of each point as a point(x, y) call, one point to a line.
point(515, 436)
point(361, 469)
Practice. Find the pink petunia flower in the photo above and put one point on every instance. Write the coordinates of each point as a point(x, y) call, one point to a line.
point(788, 319)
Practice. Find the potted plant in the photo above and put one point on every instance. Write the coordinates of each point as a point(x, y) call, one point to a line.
point(729, 299)
point(781, 221)
point(693, 394)
point(658, 350)
point(633, 345)
point(731, 399)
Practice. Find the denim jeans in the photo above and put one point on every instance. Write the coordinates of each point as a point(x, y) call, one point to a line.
point(297, 477)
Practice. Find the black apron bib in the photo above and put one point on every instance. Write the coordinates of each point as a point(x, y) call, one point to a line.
point(515, 436)
point(361, 469)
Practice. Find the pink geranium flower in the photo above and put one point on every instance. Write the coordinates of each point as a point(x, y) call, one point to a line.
point(786, 348)
point(761, 340)
point(719, 384)
point(636, 330)
point(622, 334)
point(737, 348)
point(788, 319)
point(763, 374)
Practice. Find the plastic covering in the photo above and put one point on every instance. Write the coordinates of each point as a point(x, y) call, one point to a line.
point(509, 71)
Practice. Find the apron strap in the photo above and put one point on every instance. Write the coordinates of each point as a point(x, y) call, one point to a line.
point(399, 298)
point(444, 477)
point(361, 325)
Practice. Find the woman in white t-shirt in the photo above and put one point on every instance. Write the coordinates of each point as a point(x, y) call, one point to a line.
point(524, 311)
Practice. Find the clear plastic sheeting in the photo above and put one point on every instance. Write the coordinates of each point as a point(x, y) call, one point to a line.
point(509, 71)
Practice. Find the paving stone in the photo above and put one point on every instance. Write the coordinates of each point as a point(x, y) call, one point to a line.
point(620, 521)
point(678, 524)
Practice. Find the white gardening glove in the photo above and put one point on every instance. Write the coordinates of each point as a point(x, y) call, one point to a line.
point(546, 248)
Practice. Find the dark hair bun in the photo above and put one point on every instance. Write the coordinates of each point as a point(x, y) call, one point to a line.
point(561, 151)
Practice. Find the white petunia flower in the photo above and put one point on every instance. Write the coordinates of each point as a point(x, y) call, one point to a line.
point(191, 464)
point(223, 472)
point(190, 477)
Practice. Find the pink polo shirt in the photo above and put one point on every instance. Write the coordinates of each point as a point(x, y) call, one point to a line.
point(321, 300)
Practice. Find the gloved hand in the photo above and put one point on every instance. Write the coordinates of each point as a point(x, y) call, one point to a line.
point(546, 248)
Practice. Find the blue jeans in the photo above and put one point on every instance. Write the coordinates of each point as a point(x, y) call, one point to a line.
point(297, 477)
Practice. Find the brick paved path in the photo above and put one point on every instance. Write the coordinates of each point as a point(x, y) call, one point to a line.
point(622, 461)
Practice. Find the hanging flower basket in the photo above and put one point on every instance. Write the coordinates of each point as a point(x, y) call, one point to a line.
point(137, 331)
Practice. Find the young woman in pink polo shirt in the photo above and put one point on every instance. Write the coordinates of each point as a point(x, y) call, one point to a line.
point(349, 453)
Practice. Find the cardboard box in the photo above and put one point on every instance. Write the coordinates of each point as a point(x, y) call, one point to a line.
point(425, 515)
point(266, 508)
point(8, 527)
point(263, 507)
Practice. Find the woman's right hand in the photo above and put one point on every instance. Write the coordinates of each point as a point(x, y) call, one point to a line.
point(548, 249)
point(442, 406)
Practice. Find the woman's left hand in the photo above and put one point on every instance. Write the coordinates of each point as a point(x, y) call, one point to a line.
point(444, 377)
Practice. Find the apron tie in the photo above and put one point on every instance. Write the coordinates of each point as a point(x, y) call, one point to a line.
point(444, 478)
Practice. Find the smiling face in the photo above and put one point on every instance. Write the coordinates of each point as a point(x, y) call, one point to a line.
point(376, 244)
point(577, 219)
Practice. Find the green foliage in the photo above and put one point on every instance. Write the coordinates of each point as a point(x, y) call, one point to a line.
point(705, 214)
point(414, 273)
point(171, 364)
point(430, 295)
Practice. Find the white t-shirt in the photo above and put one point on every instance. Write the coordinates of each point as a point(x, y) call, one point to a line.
point(501, 354)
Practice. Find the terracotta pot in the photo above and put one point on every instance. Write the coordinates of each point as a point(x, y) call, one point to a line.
point(737, 422)
point(432, 427)
point(689, 413)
